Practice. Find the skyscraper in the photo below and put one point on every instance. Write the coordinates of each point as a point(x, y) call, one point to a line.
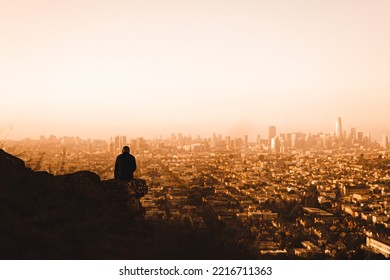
point(246, 141)
point(385, 142)
point(275, 145)
point(258, 140)
point(271, 133)
point(339, 130)
point(353, 133)
point(120, 141)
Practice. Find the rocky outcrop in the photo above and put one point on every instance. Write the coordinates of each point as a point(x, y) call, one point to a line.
point(68, 216)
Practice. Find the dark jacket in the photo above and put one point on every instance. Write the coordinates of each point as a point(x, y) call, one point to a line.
point(125, 165)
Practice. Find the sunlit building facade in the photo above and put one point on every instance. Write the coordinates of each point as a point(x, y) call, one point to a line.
point(339, 130)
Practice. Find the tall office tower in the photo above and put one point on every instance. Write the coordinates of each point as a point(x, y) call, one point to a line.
point(227, 142)
point(246, 141)
point(360, 137)
point(275, 145)
point(258, 140)
point(117, 144)
point(123, 141)
point(294, 138)
point(288, 140)
point(283, 147)
point(111, 146)
point(339, 130)
point(214, 141)
point(369, 136)
point(353, 133)
point(271, 133)
point(385, 142)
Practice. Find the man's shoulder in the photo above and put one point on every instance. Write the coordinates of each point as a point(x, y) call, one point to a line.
point(126, 155)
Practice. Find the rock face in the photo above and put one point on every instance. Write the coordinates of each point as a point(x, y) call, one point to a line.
point(68, 216)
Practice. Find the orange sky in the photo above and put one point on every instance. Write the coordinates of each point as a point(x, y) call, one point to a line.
point(146, 68)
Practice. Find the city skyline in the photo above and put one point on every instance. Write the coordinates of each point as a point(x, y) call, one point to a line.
point(234, 68)
point(269, 133)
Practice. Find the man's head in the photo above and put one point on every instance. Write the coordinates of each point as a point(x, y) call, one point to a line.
point(126, 149)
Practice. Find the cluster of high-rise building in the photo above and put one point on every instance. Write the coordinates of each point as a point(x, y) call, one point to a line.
point(282, 142)
point(340, 138)
point(118, 142)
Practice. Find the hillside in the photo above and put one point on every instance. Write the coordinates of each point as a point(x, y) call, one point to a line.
point(80, 216)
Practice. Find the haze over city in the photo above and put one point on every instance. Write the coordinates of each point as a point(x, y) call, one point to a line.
point(149, 68)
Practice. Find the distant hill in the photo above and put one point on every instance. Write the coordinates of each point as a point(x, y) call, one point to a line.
point(79, 216)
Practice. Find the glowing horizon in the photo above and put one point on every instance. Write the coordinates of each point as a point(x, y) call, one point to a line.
point(97, 69)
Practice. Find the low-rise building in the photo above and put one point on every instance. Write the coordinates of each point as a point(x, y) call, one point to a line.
point(378, 246)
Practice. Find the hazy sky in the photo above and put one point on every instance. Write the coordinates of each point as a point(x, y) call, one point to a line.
point(145, 68)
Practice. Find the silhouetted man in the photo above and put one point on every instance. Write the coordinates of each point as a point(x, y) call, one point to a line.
point(125, 165)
